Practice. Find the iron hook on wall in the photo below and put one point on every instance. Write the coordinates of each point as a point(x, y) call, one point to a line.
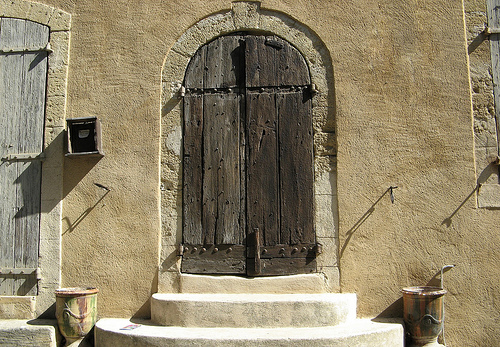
point(391, 193)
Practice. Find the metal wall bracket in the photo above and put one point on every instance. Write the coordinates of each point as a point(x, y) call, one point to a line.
point(47, 48)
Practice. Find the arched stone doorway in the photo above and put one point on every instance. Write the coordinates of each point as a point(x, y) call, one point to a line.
point(248, 17)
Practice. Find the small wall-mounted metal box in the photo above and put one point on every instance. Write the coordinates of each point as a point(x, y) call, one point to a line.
point(84, 137)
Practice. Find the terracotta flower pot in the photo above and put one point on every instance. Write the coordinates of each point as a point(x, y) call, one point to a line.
point(76, 312)
point(423, 314)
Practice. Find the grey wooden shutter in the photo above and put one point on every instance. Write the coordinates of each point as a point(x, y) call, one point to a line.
point(23, 70)
point(248, 161)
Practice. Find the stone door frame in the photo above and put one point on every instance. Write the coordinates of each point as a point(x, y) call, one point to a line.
point(248, 16)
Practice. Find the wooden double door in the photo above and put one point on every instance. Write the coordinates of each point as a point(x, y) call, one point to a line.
point(248, 204)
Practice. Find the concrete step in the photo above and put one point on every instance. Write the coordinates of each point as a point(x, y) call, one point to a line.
point(357, 333)
point(252, 310)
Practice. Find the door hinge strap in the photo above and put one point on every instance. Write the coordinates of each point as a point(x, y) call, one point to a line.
point(46, 48)
point(20, 271)
point(306, 250)
point(490, 31)
point(24, 157)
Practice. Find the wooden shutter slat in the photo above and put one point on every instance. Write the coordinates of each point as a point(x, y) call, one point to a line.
point(296, 163)
point(262, 170)
point(11, 77)
point(31, 139)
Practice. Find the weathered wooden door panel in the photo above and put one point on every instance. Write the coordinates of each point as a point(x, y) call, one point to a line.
point(273, 62)
point(262, 167)
point(221, 170)
point(260, 62)
point(214, 259)
point(248, 164)
point(23, 69)
point(193, 169)
point(296, 168)
point(224, 62)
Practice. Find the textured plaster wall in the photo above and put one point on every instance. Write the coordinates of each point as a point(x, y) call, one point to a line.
point(403, 118)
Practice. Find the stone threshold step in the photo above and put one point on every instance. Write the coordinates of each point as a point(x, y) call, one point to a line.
point(29, 333)
point(252, 310)
point(358, 333)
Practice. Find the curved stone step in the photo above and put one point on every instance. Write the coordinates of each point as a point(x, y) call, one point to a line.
point(252, 310)
point(358, 333)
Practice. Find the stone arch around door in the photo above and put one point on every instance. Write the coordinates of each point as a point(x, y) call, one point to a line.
point(48, 272)
point(248, 17)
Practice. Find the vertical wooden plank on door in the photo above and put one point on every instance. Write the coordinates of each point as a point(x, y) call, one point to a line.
point(224, 61)
point(192, 150)
point(229, 230)
point(493, 8)
point(292, 69)
point(260, 61)
point(221, 179)
point(296, 168)
point(193, 169)
point(262, 170)
point(196, 70)
point(23, 96)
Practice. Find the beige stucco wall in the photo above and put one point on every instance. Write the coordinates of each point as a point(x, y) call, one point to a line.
point(403, 118)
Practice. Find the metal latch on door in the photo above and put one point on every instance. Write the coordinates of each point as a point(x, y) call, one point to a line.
point(24, 157)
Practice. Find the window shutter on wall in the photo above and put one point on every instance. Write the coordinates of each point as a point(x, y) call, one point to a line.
point(248, 161)
point(23, 70)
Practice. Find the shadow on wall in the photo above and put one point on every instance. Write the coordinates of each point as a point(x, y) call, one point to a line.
point(357, 225)
point(491, 169)
point(477, 41)
point(73, 225)
point(26, 185)
point(75, 169)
